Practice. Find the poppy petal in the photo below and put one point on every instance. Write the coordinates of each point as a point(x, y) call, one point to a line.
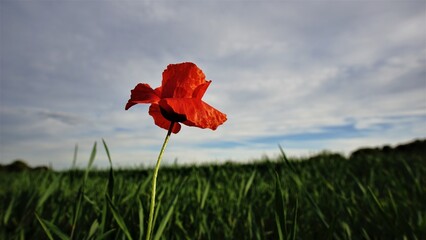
point(143, 93)
point(158, 91)
point(159, 120)
point(197, 112)
point(180, 80)
point(200, 90)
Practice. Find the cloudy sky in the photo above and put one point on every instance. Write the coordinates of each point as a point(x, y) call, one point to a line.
point(308, 75)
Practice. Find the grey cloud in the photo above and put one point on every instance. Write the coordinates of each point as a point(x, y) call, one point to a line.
point(66, 118)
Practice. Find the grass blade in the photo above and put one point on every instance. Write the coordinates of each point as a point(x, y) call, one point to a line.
point(8, 211)
point(107, 151)
point(382, 210)
point(104, 216)
point(91, 160)
point(74, 159)
point(49, 227)
point(294, 230)
point(206, 192)
point(284, 157)
point(45, 228)
point(52, 187)
point(80, 194)
point(318, 211)
point(111, 172)
point(249, 183)
point(169, 213)
point(93, 228)
point(166, 219)
point(119, 219)
point(141, 219)
point(279, 208)
point(77, 209)
point(106, 234)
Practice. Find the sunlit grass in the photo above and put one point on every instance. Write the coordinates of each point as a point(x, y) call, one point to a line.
point(377, 196)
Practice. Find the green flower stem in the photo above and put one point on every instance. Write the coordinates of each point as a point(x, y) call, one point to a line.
point(154, 183)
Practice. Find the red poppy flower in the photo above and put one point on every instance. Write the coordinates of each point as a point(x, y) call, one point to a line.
point(178, 99)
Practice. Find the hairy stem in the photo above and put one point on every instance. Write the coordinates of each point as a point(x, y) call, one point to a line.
point(154, 184)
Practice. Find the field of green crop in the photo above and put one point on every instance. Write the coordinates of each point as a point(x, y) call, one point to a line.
point(372, 195)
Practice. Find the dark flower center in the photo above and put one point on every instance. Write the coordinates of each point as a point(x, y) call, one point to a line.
point(172, 116)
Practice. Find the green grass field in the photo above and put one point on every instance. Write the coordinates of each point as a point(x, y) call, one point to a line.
point(377, 194)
